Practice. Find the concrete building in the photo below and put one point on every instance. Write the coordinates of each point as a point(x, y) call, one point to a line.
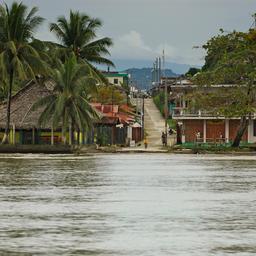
point(117, 78)
point(204, 126)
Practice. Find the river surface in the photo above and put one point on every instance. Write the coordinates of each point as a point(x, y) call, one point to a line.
point(132, 205)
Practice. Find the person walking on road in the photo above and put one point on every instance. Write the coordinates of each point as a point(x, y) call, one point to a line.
point(164, 139)
point(145, 143)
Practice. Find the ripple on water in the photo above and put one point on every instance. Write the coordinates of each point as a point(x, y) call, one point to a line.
point(150, 204)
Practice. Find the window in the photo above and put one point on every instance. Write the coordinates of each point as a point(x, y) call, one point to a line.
point(115, 80)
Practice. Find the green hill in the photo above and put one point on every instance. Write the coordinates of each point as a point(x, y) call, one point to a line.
point(142, 77)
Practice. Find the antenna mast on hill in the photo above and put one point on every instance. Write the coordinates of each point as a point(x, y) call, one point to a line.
point(159, 71)
point(163, 63)
point(254, 21)
point(166, 96)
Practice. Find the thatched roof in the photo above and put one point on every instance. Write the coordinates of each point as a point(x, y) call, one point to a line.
point(24, 99)
point(21, 104)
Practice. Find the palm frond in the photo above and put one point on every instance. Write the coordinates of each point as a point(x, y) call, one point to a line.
point(46, 115)
point(59, 33)
point(43, 102)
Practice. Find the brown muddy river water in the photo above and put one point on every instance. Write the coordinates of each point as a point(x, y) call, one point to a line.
point(132, 205)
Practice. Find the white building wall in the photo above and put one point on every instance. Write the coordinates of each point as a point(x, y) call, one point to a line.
point(251, 137)
point(129, 132)
point(112, 79)
point(226, 130)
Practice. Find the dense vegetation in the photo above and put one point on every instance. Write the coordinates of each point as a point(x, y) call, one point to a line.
point(70, 64)
point(230, 59)
point(159, 102)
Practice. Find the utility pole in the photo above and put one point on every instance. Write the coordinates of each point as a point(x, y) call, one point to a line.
point(165, 98)
point(137, 95)
point(157, 71)
point(154, 73)
point(254, 22)
point(142, 117)
point(159, 61)
point(158, 65)
point(152, 77)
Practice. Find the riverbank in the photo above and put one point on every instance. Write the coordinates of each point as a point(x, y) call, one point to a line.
point(94, 149)
point(36, 149)
point(168, 150)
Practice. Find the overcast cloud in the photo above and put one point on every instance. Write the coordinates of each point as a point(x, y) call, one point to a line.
point(142, 28)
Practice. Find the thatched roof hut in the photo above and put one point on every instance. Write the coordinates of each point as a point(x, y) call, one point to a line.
point(21, 103)
point(23, 100)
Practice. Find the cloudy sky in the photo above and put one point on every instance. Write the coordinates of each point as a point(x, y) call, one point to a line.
point(142, 28)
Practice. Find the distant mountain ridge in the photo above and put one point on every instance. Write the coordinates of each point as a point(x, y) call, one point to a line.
point(142, 77)
point(140, 70)
point(123, 64)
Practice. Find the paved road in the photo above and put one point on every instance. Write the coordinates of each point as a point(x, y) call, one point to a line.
point(154, 123)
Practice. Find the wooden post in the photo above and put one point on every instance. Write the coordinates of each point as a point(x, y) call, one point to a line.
point(83, 137)
point(78, 137)
point(227, 130)
point(70, 134)
point(204, 132)
point(14, 134)
point(63, 136)
point(52, 136)
point(33, 135)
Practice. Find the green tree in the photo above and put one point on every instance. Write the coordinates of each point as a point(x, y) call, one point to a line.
point(108, 95)
point(69, 101)
point(231, 59)
point(126, 89)
point(159, 101)
point(18, 58)
point(78, 35)
point(3, 90)
point(217, 47)
point(192, 71)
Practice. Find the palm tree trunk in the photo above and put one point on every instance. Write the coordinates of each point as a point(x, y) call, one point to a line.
point(63, 136)
point(8, 111)
point(244, 122)
point(78, 136)
point(71, 131)
point(241, 130)
point(83, 137)
point(63, 131)
point(72, 127)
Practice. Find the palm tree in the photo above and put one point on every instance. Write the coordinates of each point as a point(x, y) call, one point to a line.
point(69, 102)
point(18, 58)
point(3, 89)
point(126, 88)
point(78, 35)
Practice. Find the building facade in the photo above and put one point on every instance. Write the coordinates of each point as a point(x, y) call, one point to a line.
point(117, 78)
point(202, 126)
point(112, 128)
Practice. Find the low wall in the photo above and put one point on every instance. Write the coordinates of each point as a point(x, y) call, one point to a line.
point(45, 149)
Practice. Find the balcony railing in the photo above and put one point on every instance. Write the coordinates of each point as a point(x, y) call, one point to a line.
point(185, 112)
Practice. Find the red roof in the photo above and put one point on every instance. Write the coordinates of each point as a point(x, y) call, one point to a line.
point(114, 113)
